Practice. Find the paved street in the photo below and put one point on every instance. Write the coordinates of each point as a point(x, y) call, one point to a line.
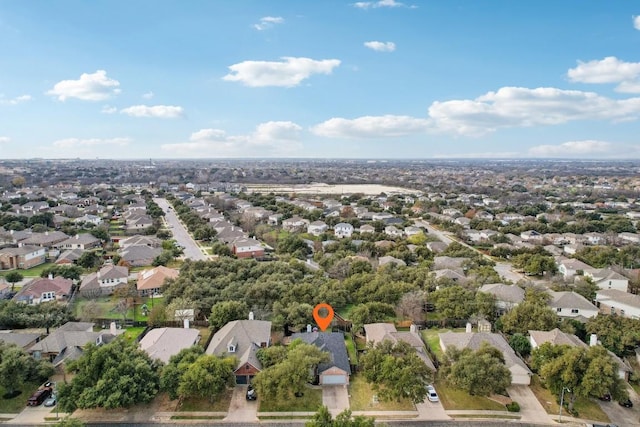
point(180, 233)
point(620, 415)
point(505, 270)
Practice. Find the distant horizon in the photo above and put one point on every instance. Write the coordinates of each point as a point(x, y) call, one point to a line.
point(381, 79)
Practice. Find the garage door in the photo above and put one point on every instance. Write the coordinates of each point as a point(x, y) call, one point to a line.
point(333, 379)
point(241, 379)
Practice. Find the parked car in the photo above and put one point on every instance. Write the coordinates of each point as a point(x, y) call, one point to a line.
point(626, 403)
point(252, 394)
point(51, 401)
point(431, 394)
point(39, 396)
point(605, 397)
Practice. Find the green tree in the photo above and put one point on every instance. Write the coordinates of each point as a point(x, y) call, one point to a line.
point(621, 335)
point(17, 367)
point(101, 233)
point(88, 259)
point(371, 312)
point(520, 344)
point(13, 277)
point(479, 373)
point(273, 355)
point(584, 371)
point(114, 375)
point(71, 272)
point(454, 302)
point(171, 374)
point(532, 314)
point(207, 377)
point(395, 371)
point(226, 311)
point(322, 418)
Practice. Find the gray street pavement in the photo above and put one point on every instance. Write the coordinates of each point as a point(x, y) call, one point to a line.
point(180, 234)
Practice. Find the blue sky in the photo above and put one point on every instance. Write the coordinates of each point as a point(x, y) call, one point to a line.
point(292, 78)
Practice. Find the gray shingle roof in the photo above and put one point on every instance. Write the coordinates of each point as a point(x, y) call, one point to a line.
point(331, 342)
point(570, 300)
point(502, 292)
point(162, 343)
point(248, 335)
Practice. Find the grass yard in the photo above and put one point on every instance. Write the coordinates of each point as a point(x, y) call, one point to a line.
point(361, 398)
point(351, 349)
point(106, 307)
point(309, 402)
point(455, 399)
point(132, 333)
point(430, 336)
point(18, 403)
point(345, 311)
point(31, 272)
point(220, 403)
point(587, 408)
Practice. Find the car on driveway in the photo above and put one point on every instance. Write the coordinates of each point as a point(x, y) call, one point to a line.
point(626, 403)
point(51, 401)
point(431, 394)
point(39, 396)
point(252, 394)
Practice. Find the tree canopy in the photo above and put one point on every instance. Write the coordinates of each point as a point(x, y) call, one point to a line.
point(532, 314)
point(480, 372)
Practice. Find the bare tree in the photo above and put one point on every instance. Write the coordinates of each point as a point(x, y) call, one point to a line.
point(412, 306)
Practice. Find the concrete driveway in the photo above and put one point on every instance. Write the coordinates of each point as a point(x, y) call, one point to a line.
point(620, 415)
point(431, 411)
point(34, 415)
point(335, 398)
point(242, 410)
point(531, 409)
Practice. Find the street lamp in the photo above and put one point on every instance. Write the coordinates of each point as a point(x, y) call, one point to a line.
point(562, 402)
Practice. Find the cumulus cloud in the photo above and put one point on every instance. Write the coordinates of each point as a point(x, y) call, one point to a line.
point(286, 73)
point(4, 139)
point(90, 142)
point(156, 111)
point(636, 22)
point(107, 109)
point(381, 46)
point(524, 107)
point(267, 22)
point(571, 149)
point(268, 139)
point(148, 95)
point(89, 87)
point(377, 4)
point(14, 101)
point(608, 70)
point(370, 127)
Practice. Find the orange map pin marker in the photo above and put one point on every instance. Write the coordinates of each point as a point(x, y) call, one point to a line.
point(323, 322)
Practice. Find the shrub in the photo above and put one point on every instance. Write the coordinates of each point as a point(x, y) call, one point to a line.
point(513, 407)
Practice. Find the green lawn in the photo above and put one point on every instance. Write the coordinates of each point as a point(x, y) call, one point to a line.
point(351, 349)
point(31, 272)
point(345, 311)
point(361, 398)
point(132, 333)
point(220, 403)
point(106, 307)
point(455, 399)
point(18, 403)
point(309, 402)
point(430, 336)
point(587, 408)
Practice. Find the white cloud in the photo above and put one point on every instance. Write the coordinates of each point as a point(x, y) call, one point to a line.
point(267, 22)
point(90, 142)
point(524, 107)
point(286, 73)
point(4, 139)
point(571, 149)
point(370, 127)
point(14, 101)
point(377, 4)
point(157, 111)
point(269, 139)
point(636, 22)
point(381, 46)
point(608, 70)
point(89, 87)
point(148, 95)
point(107, 109)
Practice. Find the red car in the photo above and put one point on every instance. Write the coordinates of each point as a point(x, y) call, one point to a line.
point(39, 396)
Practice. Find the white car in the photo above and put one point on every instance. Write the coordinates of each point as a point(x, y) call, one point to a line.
point(431, 394)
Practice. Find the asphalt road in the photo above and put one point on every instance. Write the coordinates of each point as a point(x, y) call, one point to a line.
point(180, 234)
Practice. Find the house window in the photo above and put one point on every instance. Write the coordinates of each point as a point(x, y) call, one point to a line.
point(574, 310)
point(231, 348)
point(621, 312)
point(558, 309)
point(613, 310)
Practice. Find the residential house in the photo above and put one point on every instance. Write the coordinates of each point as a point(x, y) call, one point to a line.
point(384, 260)
point(442, 262)
point(337, 370)
point(69, 256)
point(463, 221)
point(455, 275)
point(242, 339)
point(572, 267)
point(531, 236)
point(138, 256)
point(412, 231)
point(605, 278)
point(23, 257)
point(247, 248)
point(68, 341)
point(20, 339)
point(274, 219)
point(83, 241)
point(88, 219)
point(162, 343)
point(520, 373)
point(316, 228)
point(629, 237)
point(105, 280)
point(342, 230)
point(150, 281)
point(137, 240)
point(135, 222)
point(572, 305)
point(507, 296)
point(557, 337)
point(295, 224)
point(34, 207)
point(379, 332)
point(393, 231)
point(367, 228)
point(44, 290)
point(48, 239)
point(614, 301)
point(437, 247)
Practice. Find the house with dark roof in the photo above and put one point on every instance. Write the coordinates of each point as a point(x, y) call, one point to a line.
point(45, 290)
point(242, 339)
point(22, 340)
point(337, 370)
point(48, 239)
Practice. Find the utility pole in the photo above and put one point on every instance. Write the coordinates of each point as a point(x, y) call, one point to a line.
point(562, 402)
